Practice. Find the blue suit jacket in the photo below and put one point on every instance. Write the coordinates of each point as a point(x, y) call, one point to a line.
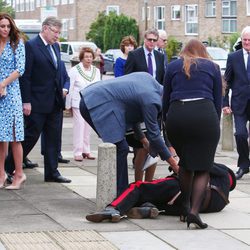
point(117, 104)
point(237, 81)
point(41, 83)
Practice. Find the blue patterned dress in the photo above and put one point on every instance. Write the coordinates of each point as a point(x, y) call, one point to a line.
point(11, 114)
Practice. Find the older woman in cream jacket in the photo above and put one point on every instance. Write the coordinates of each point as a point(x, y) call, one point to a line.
point(81, 75)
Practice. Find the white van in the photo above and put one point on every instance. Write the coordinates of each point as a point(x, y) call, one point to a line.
point(70, 50)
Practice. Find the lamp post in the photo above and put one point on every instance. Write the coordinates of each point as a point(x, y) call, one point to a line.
point(146, 13)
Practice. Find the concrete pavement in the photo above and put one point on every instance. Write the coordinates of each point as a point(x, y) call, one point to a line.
point(52, 216)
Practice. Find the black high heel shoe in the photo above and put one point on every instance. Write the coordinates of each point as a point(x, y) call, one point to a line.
point(196, 220)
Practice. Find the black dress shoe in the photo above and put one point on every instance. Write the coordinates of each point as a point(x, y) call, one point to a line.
point(241, 172)
point(108, 213)
point(59, 179)
point(61, 160)
point(29, 164)
point(143, 212)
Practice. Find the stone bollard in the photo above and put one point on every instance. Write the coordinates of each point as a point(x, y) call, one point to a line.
point(106, 175)
point(227, 133)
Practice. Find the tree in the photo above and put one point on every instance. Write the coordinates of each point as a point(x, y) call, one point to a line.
point(96, 31)
point(4, 7)
point(107, 31)
point(116, 27)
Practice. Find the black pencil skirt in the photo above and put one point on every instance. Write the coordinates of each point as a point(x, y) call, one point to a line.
point(193, 129)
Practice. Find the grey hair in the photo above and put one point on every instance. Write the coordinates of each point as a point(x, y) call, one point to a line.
point(162, 33)
point(245, 30)
point(151, 31)
point(52, 21)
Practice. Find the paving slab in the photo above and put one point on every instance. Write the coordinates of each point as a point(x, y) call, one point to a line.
point(199, 239)
point(136, 240)
point(241, 235)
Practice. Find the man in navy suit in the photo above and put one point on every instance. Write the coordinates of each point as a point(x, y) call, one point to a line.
point(112, 106)
point(237, 76)
point(138, 59)
point(42, 96)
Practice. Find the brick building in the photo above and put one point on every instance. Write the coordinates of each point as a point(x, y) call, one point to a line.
point(182, 19)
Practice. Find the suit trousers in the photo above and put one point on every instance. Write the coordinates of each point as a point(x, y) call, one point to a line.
point(81, 134)
point(121, 152)
point(60, 137)
point(35, 124)
point(241, 138)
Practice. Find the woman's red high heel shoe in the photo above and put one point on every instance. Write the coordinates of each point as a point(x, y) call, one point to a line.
point(88, 156)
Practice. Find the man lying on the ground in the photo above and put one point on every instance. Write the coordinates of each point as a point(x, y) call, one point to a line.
point(147, 199)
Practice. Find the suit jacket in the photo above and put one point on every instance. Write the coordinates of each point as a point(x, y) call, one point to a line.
point(117, 104)
point(65, 81)
point(41, 83)
point(136, 62)
point(237, 81)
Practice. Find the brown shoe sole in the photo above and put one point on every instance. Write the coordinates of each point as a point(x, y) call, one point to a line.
point(101, 217)
point(139, 213)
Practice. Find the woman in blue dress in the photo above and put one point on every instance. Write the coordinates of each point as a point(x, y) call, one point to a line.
point(127, 44)
point(12, 64)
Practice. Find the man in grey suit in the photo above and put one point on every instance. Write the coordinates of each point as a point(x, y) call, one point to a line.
point(112, 106)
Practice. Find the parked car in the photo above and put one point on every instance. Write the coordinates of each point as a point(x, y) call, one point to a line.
point(70, 50)
point(110, 57)
point(219, 56)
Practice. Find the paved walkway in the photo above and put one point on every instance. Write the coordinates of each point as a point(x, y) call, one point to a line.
point(52, 216)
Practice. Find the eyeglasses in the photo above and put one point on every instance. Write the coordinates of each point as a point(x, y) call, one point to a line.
point(55, 31)
point(151, 40)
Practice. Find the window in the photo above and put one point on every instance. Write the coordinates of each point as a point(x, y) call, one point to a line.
point(17, 6)
point(72, 23)
point(32, 5)
point(229, 25)
point(64, 2)
point(229, 8)
point(21, 5)
point(38, 3)
point(43, 3)
point(210, 8)
point(159, 17)
point(64, 47)
point(71, 1)
point(175, 12)
point(112, 8)
point(143, 13)
point(27, 5)
point(248, 7)
point(229, 16)
point(191, 19)
point(56, 2)
point(64, 32)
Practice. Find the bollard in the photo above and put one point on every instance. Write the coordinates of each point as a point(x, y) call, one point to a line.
point(106, 175)
point(227, 133)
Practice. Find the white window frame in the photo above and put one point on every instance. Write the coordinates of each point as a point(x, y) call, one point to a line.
point(21, 5)
point(159, 21)
point(143, 13)
point(38, 3)
point(63, 2)
point(72, 23)
point(248, 7)
point(27, 5)
point(191, 19)
point(17, 5)
point(64, 30)
point(56, 2)
point(113, 8)
point(71, 1)
point(210, 8)
point(227, 5)
point(175, 9)
point(32, 5)
point(230, 30)
point(43, 3)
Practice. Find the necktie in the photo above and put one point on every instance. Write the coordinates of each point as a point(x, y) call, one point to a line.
point(248, 66)
point(150, 64)
point(49, 48)
point(160, 50)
